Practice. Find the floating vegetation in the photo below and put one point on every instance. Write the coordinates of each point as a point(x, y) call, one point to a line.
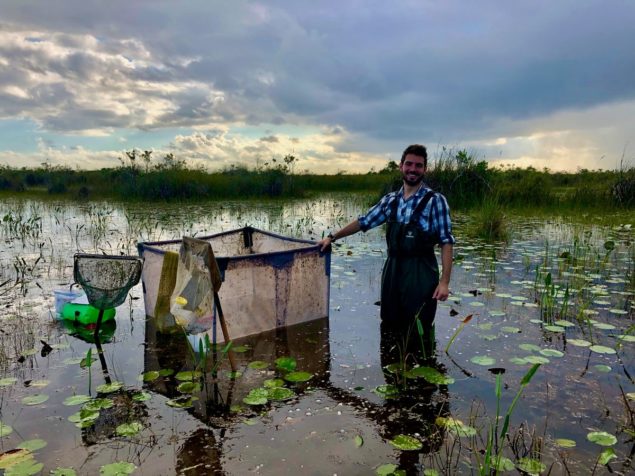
point(601, 438)
point(129, 429)
point(406, 443)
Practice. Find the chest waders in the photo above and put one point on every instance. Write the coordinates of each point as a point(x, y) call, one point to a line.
point(410, 274)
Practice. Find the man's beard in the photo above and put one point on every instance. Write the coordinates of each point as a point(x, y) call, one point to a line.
point(414, 182)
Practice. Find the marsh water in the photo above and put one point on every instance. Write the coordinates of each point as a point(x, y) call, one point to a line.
point(558, 294)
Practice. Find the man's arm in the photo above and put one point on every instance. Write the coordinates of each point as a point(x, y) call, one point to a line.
point(443, 289)
point(350, 229)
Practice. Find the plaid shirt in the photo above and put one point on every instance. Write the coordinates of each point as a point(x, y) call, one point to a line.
point(434, 218)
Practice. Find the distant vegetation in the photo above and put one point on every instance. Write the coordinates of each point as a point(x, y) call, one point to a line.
point(465, 181)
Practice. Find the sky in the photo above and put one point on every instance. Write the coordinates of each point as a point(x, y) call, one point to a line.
point(344, 86)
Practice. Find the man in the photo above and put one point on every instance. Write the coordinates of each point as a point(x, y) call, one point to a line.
point(417, 219)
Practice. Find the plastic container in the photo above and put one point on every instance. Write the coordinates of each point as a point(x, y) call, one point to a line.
point(85, 313)
point(62, 296)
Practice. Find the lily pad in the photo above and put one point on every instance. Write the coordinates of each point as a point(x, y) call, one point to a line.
point(601, 438)
point(552, 328)
point(618, 311)
point(120, 468)
point(273, 383)
point(501, 463)
point(579, 342)
point(483, 360)
point(26, 467)
point(97, 404)
point(531, 466)
point(565, 443)
point(181, 402)
point(603, 326)
point(189, 387)
point(84, 418)
point(630, 395)
point(5, 430)
point(63, 472)
point(359, 441)
point(189, 375)
point(32, 445)
point(551, 353)
point(11, 457)
point(607, 455)
point(456, 426)
point(406, 443)
point(601, 349)
point(258, 396)
point(602, 368)
point(280, 393)
point(258, 365)
point(518, 361)
point(286, 363)
point(240, 349)
point(431, 375)
point(36, 399)
point(537, 359)
point(150, 376)
point(626, 338)
point(389, 470)
point(563, 323)
point(109, 387)
point(76, 400)
point(529, 347)
point(298, 377)
point(129, 429)
point(386, 391)
point(510, 329)
point(141, 397)
point(8, 381)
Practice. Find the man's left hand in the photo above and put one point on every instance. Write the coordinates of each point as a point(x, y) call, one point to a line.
point(441, 292)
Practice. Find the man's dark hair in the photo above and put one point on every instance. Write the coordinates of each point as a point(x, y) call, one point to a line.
point(418, 150)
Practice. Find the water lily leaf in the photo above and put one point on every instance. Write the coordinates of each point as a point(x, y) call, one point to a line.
point(5, 430)
point(456, 426)
point(141, 397)
point(188, 375)
point(565, 443)
point(32, 445)
point(109, 387)
point(618, 311)
point(431, 375)
point(602, 368)
point(630, 395)
point(298, 376)
point(359, 441)
point(286, 363)
point(233, 375)
point(406, 443)
point(257, 396)
point(129, 429)
point(551, 353)
point(389, 470)
point(486, 326)
point(63, 472)
point(40, 383)
point(280, 393)
point(604, 326)
point(189, 387)
point(76, 400)
point(579, 342)
point(601, 438)
point(150, 376)
point(601, 349)
point(181, 402)
point(536, 359)
point(489, 337)
point(11, 457)
point(273, 383)
point(483, 360)
point(607, 455)
point(503, 464)
point(97, 404)
point(510, 329)
point(8, 381)
point(626, 338)
point(24, 468)
point(531, 466)
point(120, 468)
point(84, 418)
point(166, 372)
point(258, 365)
point(35, 399)
point(563, 323)
point(386, 391)
point(518, 360)
point(241, 348)
point(552, 328)
point(394, 368)
point(529, 347)
point(72, 361)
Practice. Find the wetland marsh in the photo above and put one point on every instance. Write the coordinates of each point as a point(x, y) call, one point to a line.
point(549, 348)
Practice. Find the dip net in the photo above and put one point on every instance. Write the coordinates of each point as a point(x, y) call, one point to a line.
point(106, 279)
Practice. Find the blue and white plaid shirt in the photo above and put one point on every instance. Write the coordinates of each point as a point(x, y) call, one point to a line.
point(434, 218)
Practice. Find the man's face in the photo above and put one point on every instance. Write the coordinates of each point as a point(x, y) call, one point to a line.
point(412, 169)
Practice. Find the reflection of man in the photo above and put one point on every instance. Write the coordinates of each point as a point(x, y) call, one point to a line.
point(417, 219)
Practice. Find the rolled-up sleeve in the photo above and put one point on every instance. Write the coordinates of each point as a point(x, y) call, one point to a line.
point(376, 216)
point(441, 220)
